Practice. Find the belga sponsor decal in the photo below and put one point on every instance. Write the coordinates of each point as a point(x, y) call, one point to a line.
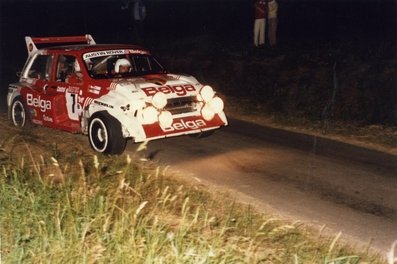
point(180, 90)
point(44, 105)
point(183, 125)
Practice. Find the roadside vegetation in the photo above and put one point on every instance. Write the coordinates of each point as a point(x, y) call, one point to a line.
point(340, 89)
point(61, 204)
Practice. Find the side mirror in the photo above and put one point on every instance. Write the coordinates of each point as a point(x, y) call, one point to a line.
point(19, 74)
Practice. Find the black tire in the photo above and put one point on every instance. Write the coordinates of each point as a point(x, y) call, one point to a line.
point(18, 113)
point(105, 135)
point(203, 134)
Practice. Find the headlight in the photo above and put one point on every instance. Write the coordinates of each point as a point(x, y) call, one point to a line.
point(165, 119)
point(199, 97)
point(159, 100)
point(150, 115)
point(207, 113)
point(207, 93)
point(216, 105)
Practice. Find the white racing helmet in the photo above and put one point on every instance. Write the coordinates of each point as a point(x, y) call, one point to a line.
point(121, 62)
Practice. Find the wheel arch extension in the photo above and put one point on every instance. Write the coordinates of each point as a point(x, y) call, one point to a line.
point(10, 99)
point(113, 141)
point(130, 125)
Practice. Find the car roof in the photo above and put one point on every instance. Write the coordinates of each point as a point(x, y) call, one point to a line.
point(83, 48)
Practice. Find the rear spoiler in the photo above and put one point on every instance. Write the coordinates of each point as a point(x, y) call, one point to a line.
point(31, 42)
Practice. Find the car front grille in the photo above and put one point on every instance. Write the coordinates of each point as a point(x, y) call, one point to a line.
point(181, 105)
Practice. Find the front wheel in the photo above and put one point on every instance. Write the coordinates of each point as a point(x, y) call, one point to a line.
point(105, 135)
point(19, 115)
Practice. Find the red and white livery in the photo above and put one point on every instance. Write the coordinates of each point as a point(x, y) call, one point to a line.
point(110, 92)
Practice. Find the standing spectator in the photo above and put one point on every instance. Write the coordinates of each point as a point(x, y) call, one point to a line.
point(273, 21)
point(260, 13)
point(138, 13)
point(139, 17)
point(125, 19)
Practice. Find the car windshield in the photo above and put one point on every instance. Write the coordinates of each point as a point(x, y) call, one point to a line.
point(121, 66)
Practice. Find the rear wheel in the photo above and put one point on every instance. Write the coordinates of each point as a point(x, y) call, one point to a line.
point(19, 115)
point(105, 135)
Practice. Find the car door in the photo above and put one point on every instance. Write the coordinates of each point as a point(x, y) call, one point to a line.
point(66, 86)
point(36, 77)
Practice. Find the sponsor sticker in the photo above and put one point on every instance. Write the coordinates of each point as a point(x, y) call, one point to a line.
point(73, 89)
point(103, 104)
point(37, 102)
point(47, 118)
point(101, 53)
point(61, 89)
point(183, 125)
point(179, 90)
point(94, 89)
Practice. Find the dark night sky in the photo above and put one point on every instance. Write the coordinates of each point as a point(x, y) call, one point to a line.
point(229, 21)
point(232, 19)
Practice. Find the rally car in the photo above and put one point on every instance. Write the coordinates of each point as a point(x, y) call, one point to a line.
point(111, 93)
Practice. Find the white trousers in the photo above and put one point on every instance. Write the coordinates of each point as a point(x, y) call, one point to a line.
point(259, 31)
point(273, 31)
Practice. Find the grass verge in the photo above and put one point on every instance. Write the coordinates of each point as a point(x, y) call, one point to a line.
point(378, 137)
point(81, 208)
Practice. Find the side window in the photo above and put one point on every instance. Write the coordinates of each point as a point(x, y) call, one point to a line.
point(66, 66)
point(40, 68)
point(155, 66)
point(142, 64)
point(145, 64)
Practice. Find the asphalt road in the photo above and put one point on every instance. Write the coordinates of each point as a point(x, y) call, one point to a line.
point(318, 181)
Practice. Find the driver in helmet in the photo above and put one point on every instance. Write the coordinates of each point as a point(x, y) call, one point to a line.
point(122, 66)
point(75, 76)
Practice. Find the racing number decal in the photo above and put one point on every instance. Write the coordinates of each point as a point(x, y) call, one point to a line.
point(72, 105)
point(74, 102)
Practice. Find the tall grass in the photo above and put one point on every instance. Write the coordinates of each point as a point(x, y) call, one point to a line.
point(99, 209)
